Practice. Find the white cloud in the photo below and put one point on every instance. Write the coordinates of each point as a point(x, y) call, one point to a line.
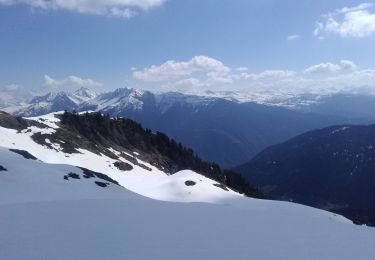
point(354, 81)
point(266, 75)
point(329, 67)
point(214, 70)
point(12, 87)
point(347, 65)
point(293, 37)
point(276, 74)
point(323, 68)
point(13, 94)
point(357, 21)
point(268, 81)
point(344, 10)
point(203, 73)
point(189, 82)
point(242, 69)
point(124, 13)
point(69, 83)
point(118, 8)
point(284, 83)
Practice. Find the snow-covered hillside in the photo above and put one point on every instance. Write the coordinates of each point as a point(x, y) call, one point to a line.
point(45, 216)
point(51, 209)
point(28, 180)
point(148, 181)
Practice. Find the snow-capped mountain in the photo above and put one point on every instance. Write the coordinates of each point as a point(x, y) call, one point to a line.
point(52, 102)
point(116, 101)
point(52, 209)
point(85, 94)
point(19, 100)
point(123, 100)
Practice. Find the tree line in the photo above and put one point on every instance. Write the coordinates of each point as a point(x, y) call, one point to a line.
point(107, 131)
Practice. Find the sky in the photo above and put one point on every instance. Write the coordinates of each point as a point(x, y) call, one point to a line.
point(190, 45)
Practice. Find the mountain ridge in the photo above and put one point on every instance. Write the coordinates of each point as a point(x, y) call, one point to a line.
point(208, 124)
point(329, 168)
point(124, 142)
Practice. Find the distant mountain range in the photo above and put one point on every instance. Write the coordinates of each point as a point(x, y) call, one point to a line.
point(331, 168)
point(220, 128)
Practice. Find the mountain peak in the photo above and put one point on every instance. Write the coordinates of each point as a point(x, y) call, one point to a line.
point(85, 93)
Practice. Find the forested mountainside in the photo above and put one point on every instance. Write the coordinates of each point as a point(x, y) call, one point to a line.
point(330, 168)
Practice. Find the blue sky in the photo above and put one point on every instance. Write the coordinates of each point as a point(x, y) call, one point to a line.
point(190, 44)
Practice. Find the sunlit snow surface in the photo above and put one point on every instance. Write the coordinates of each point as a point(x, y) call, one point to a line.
point(44, 216)
point(154, 184)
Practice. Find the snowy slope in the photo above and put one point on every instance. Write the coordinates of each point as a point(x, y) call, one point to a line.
point(46, 213)
point(44, 216)
point(154, 184)
point(28, 180)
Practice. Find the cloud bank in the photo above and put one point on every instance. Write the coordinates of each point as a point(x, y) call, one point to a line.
point(329, 67)
point(214, 70)
point(207, 73)
point(70, 83)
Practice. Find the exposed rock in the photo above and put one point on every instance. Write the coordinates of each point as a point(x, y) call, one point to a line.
point(221, 186)
point(91, 174)
point(72, 175)
point(101, 184)
point(123, 166)
point(24, 153)
point(190, 183)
